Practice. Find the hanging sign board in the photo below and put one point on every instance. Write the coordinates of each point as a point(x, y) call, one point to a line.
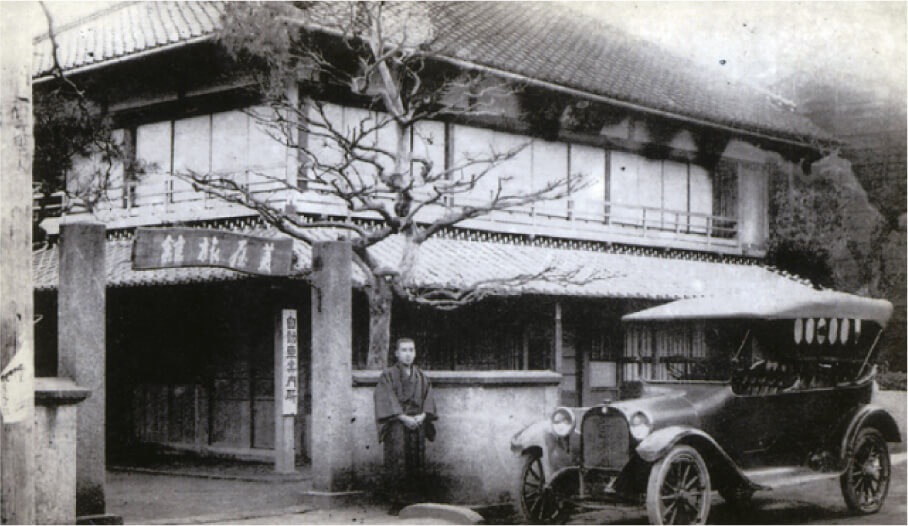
point(290, 362)
point(155, 248)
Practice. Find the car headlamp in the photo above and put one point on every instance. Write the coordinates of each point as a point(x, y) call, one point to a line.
point(562, 422)
point(640, 425)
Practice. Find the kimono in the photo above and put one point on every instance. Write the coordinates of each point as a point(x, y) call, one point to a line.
point(398, 393)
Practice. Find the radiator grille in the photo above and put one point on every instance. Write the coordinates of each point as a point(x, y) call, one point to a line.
point(606, 441)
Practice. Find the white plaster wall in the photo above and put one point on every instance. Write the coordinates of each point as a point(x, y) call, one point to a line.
point(470, 460)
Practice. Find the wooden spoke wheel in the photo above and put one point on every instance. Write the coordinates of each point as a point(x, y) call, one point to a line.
point(866, 481)
point(678, 490)
point(536, 503)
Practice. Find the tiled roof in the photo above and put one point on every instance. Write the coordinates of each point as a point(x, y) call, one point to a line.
point(539, 40)
point(457, 262)
point(542, 41)
point(127, 29)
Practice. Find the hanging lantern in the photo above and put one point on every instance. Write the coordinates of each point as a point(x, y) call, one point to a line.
point(798, 330)
point(808, 331)
point(821, 330)
point(844, 331)
point(833, 330)
point(857, 330)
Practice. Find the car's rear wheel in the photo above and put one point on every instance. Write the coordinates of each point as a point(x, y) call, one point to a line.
point(866, 481)
point(678, 490)
point(535, 503)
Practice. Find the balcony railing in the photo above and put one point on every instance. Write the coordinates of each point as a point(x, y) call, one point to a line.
point(627, 218)
point(678, 221)
point(53, 203)
point(161, 196)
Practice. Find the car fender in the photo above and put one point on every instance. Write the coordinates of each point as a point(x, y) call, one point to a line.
point(535, 438)
point(868, 415)
point(721, 465)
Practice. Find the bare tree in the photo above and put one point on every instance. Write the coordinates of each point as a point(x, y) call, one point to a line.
point(78, 156)
point(377, 165)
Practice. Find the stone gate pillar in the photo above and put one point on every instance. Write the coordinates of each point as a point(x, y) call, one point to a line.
point(332, 382)
point(81, 351)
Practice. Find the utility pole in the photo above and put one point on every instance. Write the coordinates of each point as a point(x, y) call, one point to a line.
point(17, 374)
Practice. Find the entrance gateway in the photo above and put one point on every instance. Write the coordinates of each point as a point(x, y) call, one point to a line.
point(156, 248)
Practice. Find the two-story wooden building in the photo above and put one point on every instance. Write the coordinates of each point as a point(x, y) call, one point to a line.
point(677, 209)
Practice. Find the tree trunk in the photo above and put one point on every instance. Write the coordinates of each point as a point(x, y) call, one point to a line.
point(380, 298)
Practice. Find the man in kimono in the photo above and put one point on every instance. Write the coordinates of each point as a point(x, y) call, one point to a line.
point(404, 411)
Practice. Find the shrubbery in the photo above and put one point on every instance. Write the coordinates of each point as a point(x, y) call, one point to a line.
point(892, 381)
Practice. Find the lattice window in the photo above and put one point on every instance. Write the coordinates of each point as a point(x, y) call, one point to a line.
point(725, 197)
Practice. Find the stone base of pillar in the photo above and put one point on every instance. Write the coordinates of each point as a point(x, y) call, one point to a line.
point(56, 410)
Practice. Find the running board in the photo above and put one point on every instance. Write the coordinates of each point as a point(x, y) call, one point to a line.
point(773, 478)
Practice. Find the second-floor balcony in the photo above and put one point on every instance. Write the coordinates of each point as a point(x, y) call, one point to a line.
point(617, 195)
point(158, 199)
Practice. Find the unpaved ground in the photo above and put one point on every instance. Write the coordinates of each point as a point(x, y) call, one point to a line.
point(815, 503)
point(144, 498)
point(349, 515)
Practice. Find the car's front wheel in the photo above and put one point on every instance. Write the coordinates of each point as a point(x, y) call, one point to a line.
point(535, 503)
point(678, 490)
point(866, 481)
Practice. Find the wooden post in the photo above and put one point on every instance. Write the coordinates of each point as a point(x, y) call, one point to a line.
point(81, 351)
point(556, 363)
point(332, 368)
point(197, 418)
point(654, 363)
point(583, 360)
point(526, 347)
point(17, 354)
point(286, 388)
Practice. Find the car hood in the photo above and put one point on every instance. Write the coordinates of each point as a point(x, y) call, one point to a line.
point(675, 403)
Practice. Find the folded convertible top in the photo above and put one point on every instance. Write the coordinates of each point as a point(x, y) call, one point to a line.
point(794, 304)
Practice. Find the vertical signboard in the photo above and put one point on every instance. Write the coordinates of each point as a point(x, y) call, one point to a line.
point(286, 388)
point(289, 362)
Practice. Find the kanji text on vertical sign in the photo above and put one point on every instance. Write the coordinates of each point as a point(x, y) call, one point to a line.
point(290, 356)
point(193, 247)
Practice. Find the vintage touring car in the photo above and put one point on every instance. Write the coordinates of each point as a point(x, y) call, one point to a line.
point(782, 396)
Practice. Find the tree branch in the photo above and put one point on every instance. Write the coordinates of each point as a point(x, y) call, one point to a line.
point(449, 298)
point(83, 134)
